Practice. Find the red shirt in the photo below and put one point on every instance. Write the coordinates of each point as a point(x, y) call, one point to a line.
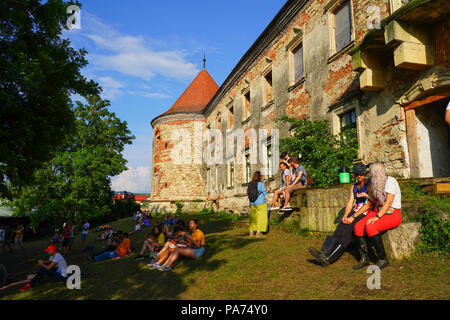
point(67, 231)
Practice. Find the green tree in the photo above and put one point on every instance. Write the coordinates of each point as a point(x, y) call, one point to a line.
point(39, 71)
point(321, 151)
point(76, 183)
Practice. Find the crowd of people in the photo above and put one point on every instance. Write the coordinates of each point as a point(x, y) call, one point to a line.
point(373, 207)
point(167, 241)
point(11, 238)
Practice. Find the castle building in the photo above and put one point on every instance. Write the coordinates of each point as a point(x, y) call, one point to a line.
point(382, 66)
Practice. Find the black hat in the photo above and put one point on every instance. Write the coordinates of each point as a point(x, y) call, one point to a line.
point(359, 169)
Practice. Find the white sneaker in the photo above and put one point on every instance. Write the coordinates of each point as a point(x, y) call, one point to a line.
point(274, 208)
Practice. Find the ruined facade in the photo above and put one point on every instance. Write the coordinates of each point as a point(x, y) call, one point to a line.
point(380, 66)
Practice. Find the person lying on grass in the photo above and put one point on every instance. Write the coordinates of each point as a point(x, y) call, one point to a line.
point(55, 268)
point(123, 249)
point(153, 241)
point(179, 238)
point(196, 240)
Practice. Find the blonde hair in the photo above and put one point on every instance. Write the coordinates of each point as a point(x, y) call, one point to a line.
point(377, 182)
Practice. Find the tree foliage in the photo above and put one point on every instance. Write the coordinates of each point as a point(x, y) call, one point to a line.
point(321, 151)
point(39, 71)
point(76, 183)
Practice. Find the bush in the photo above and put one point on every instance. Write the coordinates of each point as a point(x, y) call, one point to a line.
point(435, 232)
point(321, 151)
point(179, 206)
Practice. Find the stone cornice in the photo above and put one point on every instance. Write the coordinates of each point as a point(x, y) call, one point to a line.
point(276, 26)
point(177, 116)
point(424, 86)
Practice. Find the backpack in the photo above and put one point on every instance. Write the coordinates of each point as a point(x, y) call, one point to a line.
point(252, 191)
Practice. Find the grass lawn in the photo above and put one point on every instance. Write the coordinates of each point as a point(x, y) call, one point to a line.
point(234, 266)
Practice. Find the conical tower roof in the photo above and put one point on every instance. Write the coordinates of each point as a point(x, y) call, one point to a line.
point(195, 97)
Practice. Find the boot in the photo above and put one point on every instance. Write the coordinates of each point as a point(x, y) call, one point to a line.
point(377, 242)
point(364, 256)
point(331, 251)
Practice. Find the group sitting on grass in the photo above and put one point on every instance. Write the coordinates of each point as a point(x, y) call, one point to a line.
point(181, 244)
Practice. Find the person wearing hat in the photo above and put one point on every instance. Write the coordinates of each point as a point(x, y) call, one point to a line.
point(334, 246)
point(55, 268)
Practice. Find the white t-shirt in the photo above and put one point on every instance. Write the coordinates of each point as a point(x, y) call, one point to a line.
point(393, 188)
point(60, 263)
point(448, 106)
point(85, 228)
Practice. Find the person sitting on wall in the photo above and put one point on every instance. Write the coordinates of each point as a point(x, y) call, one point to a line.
point(300, 181)
point(384, 202)
point(286, 178)
point(55, 268)
point(334, 246)
point(153, 241)
point(197, 242)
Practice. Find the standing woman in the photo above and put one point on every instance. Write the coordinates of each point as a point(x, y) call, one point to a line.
point(385, 202)
point(258, 208)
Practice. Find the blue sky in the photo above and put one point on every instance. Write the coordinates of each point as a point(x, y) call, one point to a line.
point(144, 53)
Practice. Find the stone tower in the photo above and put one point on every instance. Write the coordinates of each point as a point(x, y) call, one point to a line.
point(173, 134)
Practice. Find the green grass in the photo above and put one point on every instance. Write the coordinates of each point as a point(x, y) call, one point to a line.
point(234, 266)
point(411, 191)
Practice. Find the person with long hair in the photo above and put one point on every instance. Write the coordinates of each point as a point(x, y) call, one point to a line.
point(197, 249)
point(334, 246)
point(287, 181)
point(154, 241)
point(258, 208)
point(384, 204)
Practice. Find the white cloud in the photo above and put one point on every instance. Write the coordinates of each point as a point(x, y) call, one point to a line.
point(135, 180)
point(132, 55)
point(149, 94)
point(111, 87)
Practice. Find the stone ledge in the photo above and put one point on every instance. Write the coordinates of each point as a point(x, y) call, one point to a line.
point(400, 242)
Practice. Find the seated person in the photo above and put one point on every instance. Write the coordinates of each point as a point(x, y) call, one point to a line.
point(154, 242)
point(137, 216)
point(197, 249)
point(123, 249)
point(146, 222)
point(334, 246)
point(168, 220)
point(300, 181)
point(55, 268)
point(178, 238)
point(286, 177)
point(55, 239)
point(137, 228)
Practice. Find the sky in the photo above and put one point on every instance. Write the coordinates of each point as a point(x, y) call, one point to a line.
point(145, 53)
